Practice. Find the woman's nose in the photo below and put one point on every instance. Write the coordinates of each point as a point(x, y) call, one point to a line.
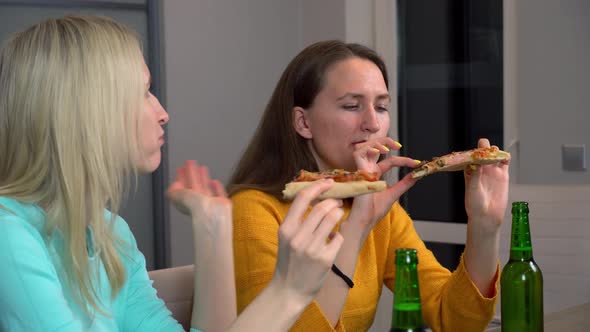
point(370, 121)
point(163, 116)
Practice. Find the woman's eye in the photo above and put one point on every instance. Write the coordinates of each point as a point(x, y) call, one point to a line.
point(350, 107)
point(382, 108)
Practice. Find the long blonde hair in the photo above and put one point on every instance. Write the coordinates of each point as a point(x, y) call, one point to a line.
point(70, 93)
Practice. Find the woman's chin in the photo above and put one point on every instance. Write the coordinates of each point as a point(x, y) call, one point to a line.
point(149, 165)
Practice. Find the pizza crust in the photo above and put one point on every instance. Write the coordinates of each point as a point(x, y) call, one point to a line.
point(339, 189)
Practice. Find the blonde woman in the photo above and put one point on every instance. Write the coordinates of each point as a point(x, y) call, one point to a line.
point(77, 119)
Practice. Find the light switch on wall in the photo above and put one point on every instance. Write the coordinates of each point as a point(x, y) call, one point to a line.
point(573, 157)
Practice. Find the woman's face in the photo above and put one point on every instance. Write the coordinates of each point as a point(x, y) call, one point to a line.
point(152, 117)
point(351, 108)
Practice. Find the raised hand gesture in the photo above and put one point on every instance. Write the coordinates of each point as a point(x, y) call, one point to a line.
point(195, 194)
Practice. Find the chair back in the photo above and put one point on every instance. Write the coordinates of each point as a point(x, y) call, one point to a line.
point(175, 287)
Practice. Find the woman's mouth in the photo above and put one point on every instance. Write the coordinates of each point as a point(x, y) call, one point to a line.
point(354, 143)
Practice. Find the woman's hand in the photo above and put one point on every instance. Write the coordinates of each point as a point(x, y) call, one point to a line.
point(194, 193)
point(486, 197)
point(307, 244)
point(368, 209)
point(486, 193)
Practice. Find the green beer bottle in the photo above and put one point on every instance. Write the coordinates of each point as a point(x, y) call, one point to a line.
point(522, 281)
point(407, 310)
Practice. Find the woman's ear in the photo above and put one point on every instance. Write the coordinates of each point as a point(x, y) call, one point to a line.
point(300, 122)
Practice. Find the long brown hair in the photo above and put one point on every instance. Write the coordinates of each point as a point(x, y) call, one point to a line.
point(277, 152)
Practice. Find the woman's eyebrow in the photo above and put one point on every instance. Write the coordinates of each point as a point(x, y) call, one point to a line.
point(384, 96)
point(350, 94)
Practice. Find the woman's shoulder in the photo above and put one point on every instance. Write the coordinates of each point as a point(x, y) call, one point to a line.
point(398, 220)
point(397, 210)
point(24, 213)
point(21, 221)
point(119, 225)
point(396, 217)
point(253, 202)
point(249, 196)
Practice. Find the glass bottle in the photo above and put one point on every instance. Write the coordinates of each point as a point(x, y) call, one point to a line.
point(521, 282)
point(407, 310)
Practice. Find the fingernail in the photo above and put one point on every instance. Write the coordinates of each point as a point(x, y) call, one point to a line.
point(398, 143)
point(376, 150)
point(473, 167)
point(417, 161)
point(386, 148)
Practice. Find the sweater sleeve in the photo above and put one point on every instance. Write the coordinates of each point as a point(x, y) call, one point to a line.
point(450, 301)
point(143, 310)
point(31, 295)
point(257, 218)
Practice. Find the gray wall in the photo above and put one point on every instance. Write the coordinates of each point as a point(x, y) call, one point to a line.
point(319, 20)
point(546, 53)
point(552, 55)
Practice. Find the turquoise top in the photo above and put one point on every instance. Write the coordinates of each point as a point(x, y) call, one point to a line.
point(33, 292)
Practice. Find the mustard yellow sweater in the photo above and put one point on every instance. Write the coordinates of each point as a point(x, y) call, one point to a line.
point(450, 301)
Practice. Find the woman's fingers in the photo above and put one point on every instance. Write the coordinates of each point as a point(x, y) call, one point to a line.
point(302, 202)
point(372, 149)
point(174, 188)
point(192, 177)
point(401, 186)
point(204, 180)
point(394, 161)
point(304, 233)
point(333, 247)
point(178, 181)
point(383, 144)
point(191, 174)
point(217, 188)
point(195, 177)
point(483, 143)
point(325, 228)
point(176, 191)
point(194, 192)
point(366, 154)
point(317, 214)
point(311, 235)
point(181, 176)
point(474, 172)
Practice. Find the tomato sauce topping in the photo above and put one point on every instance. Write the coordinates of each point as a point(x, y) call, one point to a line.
point(339, 175)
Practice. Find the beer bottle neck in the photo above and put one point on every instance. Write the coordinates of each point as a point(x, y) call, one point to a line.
point(406, 284)
point(407, 310)
point(521, 247)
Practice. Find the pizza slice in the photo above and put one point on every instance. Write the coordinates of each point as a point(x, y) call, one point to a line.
point(346, 184)
point(458, 161)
